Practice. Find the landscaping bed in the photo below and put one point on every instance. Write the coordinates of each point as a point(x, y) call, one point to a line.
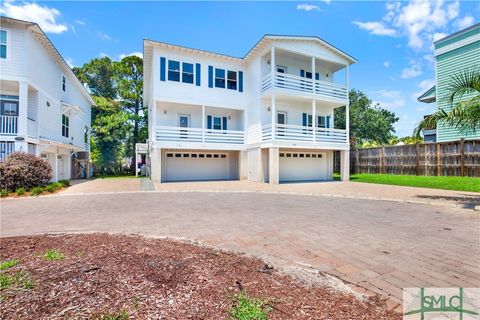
point(95, 276)
point(52, 187)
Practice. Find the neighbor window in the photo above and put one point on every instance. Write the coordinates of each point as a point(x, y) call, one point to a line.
point(8, 105)
point(64, 83)
point(65, 125)
point(187, 72)
point(219, 78)
point(173, 70)
point(3, 44)
point(232, 80)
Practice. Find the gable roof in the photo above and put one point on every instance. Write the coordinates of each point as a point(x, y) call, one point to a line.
point(429, 96)
point(53, 50)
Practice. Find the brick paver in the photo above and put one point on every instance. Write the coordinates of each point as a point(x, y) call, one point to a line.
point(375, 246)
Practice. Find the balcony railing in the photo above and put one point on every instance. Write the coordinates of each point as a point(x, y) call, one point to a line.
point(166, 133)
point(300, 84)
point(8, 124)
point(290, 132)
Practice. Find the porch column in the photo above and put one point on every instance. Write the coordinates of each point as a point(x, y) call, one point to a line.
point(313, 76)
point(22, 145)
point(274, 112)
point(272, 65)
point(203, 124)
point(274, 166)
point(55, 165)
point(347, 109)
point(136, 164)
point(314, 119)
point(345, 165)
point(156, 164)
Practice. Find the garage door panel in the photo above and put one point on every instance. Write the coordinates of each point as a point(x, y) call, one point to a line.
point(197, 166)
point(299, 166)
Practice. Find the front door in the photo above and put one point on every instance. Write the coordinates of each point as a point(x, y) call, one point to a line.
point(184, 122)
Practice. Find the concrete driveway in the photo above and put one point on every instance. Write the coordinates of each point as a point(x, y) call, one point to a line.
point(376, 245)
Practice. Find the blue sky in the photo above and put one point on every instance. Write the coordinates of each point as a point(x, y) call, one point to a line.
point(392, 41)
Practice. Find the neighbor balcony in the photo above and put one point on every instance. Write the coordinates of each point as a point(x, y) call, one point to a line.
point(9, 125)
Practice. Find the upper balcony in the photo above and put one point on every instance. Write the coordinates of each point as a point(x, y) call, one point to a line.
point(295, 74)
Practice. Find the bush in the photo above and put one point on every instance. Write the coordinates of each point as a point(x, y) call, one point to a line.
point(36, 191)
point(54, 186)
point(65, 183)
point(4, 192)
point(20, 191)
point(21, 169)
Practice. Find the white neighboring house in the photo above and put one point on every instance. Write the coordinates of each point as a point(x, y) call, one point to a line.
point(266, 117)
point(45, 110)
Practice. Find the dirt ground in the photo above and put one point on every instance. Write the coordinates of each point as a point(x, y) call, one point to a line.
point(156, 279)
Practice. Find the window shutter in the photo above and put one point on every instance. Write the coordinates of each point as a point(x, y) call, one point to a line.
point(210, 76)
point(328, 122)
point(240, 81)
point(302, 73)
point(209, 122)
point(317, 76)
point(197, 74)
point(304, 119)
point(162, 68)
point(224, 125)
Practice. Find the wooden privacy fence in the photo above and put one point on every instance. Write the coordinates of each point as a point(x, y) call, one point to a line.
point(455, 158)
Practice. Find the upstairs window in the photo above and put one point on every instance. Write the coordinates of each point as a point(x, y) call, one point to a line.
point(64, 83)
point(3, 44)
point(65, 125)
point(321, 122)
point(173, 70)
point(219, 78)
point(217, 123)
point(187, 72)
point(232, 80)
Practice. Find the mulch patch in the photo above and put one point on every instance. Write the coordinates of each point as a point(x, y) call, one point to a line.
point(157, 279)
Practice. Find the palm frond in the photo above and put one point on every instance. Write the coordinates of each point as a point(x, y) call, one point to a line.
point(430, 122)
point(465, 82)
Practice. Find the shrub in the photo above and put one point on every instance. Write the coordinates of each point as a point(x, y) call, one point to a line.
point(246, 308)
point(53, 254)
point(52, 187)
point(4, 192)
point(20, 191)
point(65, 183)
point(21, 169)
point(36, 191)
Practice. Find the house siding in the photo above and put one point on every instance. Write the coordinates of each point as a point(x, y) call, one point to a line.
point(449, 64)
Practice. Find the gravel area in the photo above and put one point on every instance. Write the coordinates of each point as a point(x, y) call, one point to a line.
point(156, 279)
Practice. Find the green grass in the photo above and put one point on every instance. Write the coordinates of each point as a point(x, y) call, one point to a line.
point(36, 191)
point(8, 264)
point(19, 279)
point(54, 186)
point(114, 316)
point(52, 255)
point(434, 182)
point(4, 193)
point(64, 183)
point(246, 308)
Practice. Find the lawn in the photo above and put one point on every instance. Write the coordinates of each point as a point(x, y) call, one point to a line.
point(434, 182)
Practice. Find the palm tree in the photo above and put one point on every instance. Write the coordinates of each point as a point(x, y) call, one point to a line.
point(466, 113)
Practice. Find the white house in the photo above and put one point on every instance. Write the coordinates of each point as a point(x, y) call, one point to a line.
point(45, 110)
point(266, 117)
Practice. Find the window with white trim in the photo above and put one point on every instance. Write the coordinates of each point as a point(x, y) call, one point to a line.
point(64, 83)
point(187, 72)
point(65, 126)
point(173, 70)
point(219, 78)
point(217, 123)
point(232, 80)
point(3, 44)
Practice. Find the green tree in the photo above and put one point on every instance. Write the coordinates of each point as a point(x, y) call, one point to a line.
point(129, 81)
point(368, 123)
point(98, 74)
point(464, 97)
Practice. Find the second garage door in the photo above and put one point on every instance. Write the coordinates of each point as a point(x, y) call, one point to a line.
point(197, 166)
point(302, 166)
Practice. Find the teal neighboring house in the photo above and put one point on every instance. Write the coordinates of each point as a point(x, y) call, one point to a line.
point(453, 54)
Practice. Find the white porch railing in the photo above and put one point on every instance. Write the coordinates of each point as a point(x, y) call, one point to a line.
point(166, 133)
point(295, 83)
point(290, 132)
point(8, 124)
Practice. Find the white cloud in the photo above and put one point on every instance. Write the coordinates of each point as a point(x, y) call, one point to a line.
point(388, 99)
point(103, 55)
point(80, 22)
point(103, 35)
point(376, 28)
point(44, 16)
point(464, 22)
point(439, 35)
point(386, 64)
point(413, 70)
point(308, 7)
point(69, 61)
point(327, 1)
point(136, 53)
point(423, 86)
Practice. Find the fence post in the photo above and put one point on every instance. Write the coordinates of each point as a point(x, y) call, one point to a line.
point(425, 150)
point(438, 159)
point(462, 157)
point(382, 160)
point(417, 158)
point(356, 161)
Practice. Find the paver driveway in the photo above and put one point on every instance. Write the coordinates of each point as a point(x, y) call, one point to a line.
point(379, 245)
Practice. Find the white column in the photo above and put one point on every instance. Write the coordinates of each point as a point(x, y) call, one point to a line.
point(272, 64)
point(274, 113)
point(153, 122)
point(136, 156)
point(203, 124)
point(347, 109)
point(314, 119)
point(274, 166)
point(313, 76)
point(22, 124)
point(55, 165)
point(345, 165)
